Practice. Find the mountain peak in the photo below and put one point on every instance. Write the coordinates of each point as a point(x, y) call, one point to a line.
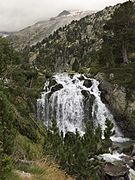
point(64, 13)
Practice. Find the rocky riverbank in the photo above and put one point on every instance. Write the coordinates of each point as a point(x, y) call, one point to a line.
point(122, 107)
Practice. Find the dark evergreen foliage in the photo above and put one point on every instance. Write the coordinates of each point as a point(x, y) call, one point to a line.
point(78, 154)
point(75, 66)
point(120, 36)
point(17, 96)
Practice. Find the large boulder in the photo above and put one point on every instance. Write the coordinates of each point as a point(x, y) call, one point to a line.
point(52, 82)
point(115, 97)
point(85, 93)
point(87, 83)
point(57, 87)
point(81, 78)
point(133, 150)
point(88, 104)
point(116, 172)
point(133, 166)
point(88, 75)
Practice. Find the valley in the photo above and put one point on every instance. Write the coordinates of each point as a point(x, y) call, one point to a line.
point(67, 97)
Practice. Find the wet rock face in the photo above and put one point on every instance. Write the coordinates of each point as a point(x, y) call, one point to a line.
point(57, 87)
point(87, 83)
point(133, 150)
point(103, 95)
point(115, 97)
point(52, 82)
point(133, 166)
point(85, 93)
point(116, 172)
point(81, 78)
point(88, 103)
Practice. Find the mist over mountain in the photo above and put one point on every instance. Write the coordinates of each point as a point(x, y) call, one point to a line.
point(37, 32)
point(16, 15)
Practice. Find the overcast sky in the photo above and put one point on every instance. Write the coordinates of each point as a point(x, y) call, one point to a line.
point(17, 14)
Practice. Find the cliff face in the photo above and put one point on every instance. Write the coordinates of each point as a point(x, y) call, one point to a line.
point(117, 99)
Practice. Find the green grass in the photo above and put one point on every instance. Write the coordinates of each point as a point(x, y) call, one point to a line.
point(13, 176)
point(32, 169)
point(123, 75)
point(25, 148)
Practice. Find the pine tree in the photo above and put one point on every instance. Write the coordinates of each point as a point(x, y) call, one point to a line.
point(75, 66)
point(105, 55)
point(121, 26)
point(7, 135)
point(7, 132)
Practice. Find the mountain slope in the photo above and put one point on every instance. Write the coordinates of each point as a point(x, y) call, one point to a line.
point(76, 43)
point(5, 34)
point(79, 40)
point(40, 30)
point(78, 47)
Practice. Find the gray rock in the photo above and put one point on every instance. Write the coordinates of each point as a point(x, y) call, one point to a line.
point(64, 13)
point(88, 75)
point(52, 82)
point(85, 93)
point(56, 88)
point(87, 83)
point(88, 104)
point(81, 78)
point(115, 97)
point(133, 151)
point(113, 172)
point(111, 76)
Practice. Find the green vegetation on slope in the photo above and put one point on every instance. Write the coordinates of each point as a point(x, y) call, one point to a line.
point(117, 54)
point(79, 41)
point(78, 154)
point(119, 36)
point(104, 40)
point(20, 84)
point(92, 44)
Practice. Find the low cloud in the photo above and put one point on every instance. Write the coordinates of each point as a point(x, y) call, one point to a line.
point(17, 14)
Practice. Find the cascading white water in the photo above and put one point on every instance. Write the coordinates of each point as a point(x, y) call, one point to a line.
point(100, 112)
point(67, 104)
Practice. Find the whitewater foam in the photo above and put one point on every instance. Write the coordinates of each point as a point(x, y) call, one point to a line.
point(67, 105)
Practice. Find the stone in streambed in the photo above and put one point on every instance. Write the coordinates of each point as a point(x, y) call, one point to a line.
point(133, 150)
point(81, 78)
point(116, 172)
point(52, 82)
point(57, 87)
point(87, 83)
point(85, 93)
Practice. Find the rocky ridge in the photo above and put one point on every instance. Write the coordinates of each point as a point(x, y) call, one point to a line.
point(42, 29)
point(76, 42)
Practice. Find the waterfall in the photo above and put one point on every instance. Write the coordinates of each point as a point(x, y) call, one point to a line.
point(100, 112)
point(63, 99)
point(74, 99)
point(66, 104)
